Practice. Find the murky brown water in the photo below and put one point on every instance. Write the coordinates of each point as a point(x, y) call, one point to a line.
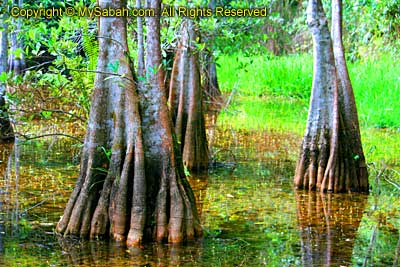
point(250, 213)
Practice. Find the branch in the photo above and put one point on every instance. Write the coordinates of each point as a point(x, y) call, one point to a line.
point(40, 203)
point(105, 73)
point(50, 110)
point(38, 65)
point(48, 135)
point(371, 245)
point(65, 112)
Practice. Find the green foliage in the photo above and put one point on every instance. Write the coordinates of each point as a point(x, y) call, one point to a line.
point(58, 52)
point(291, 77)
point(262, 75)
point(372, 27)
point(90, 47)
point(273, 93)
point(252, 34)
point(377, 90)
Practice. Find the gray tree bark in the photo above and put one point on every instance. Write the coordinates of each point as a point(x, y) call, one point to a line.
point(329, 160)
point(16, 64)
point(6, 130)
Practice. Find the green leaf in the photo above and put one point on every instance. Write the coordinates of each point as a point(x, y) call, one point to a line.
point(18, 53)
point(46, 114)
point(3, 77)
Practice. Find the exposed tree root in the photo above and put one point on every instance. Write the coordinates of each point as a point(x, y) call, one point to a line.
point(129, 195)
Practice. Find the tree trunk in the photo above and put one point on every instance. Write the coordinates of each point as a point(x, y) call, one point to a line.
point(175, 211)
point(347, 101)
point(6, 130)
point(119, 180)
point(185, 98)
point(140, 44)
point(328, 227)
point(210, 80)
point(329, 160)
point(103, 194)
point(16, 63)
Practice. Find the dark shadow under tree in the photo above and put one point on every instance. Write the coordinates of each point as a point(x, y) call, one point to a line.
point(131, 184)
point(331, 156)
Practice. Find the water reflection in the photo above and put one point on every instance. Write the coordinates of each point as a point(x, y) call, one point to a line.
point(103, 253)
point(199, 184)
point(248, 213)
point(5, 163)
point(328, 227)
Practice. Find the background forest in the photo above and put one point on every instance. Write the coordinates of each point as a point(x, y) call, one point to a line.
point(250, 214)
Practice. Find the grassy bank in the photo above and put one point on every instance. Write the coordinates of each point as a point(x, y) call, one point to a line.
point(273, 94)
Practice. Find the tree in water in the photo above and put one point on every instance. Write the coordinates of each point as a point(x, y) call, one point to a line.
point(6, 130)
point(185, 98)
point(131, 184)
point(331, 156)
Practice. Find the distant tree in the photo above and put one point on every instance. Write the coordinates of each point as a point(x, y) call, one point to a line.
point(210, 79)
point(16, 61)
point(185, 98)
point(6, 130)
point(132, 184)
point(331, 156)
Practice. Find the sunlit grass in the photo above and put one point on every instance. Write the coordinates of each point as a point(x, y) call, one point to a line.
point(376, 84)
point(266, 113)
point(377, 91)
point(273, 94)
point(260, 75)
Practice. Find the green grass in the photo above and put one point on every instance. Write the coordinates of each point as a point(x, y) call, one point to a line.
point(266, 113)
point(289, 76)
point(377, 90)
point(273, 94)
point(376, 84)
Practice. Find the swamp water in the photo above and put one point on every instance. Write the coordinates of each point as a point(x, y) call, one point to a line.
point(250, 213)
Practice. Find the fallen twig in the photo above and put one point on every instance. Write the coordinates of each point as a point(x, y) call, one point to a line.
point(371, 245)
point(26, 137)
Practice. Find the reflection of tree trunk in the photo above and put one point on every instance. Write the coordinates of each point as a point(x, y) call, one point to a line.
point(328, 227)
point(199, 184)
point(185, 98)
point(111, 254)
point(5, 152)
